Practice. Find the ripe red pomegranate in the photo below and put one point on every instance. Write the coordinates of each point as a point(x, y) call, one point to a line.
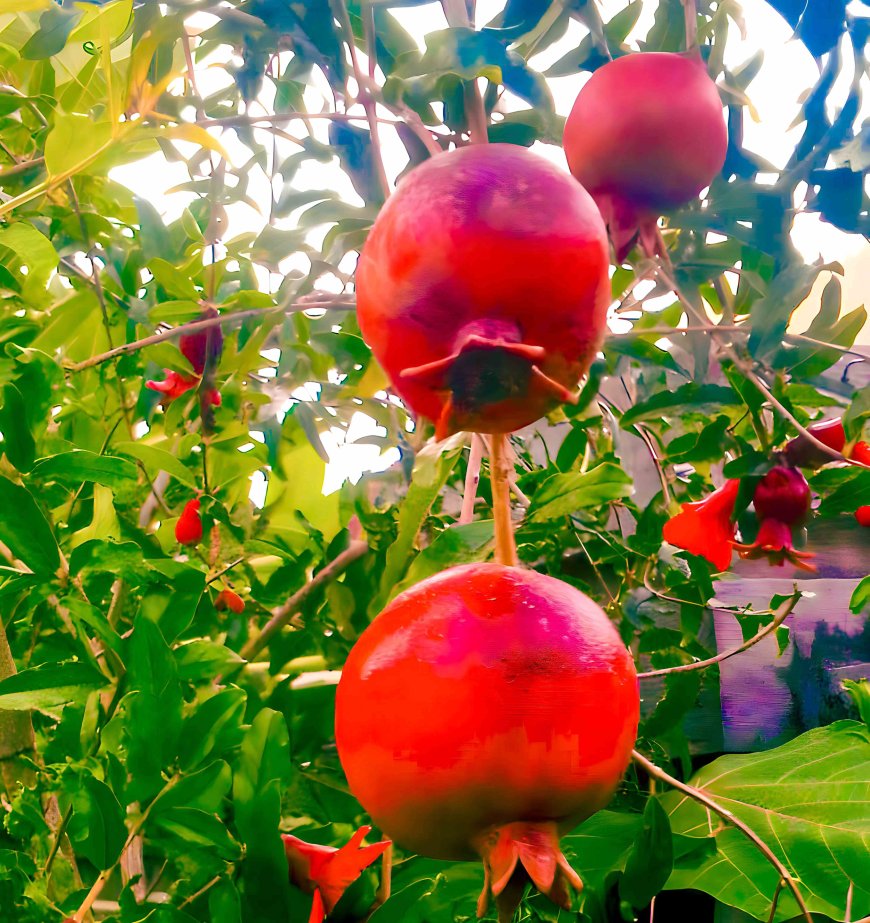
point(862, 514)
point(483, 286)
point(485, 712)
point(645, 136)
point(188, 529)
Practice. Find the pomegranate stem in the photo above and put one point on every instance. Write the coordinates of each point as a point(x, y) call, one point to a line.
point(472, 478)
point(691, 15)
point(505, 544)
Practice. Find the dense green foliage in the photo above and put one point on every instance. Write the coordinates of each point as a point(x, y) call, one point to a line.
point(168, 745)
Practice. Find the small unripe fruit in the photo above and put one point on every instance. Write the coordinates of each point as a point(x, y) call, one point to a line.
point(229, 599)
point(862, 514)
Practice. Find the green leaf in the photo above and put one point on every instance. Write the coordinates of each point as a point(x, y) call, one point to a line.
point(97, 828)
point(155, 459)
point(204, 790)
point(860, 597)
point(204, 659)
point(651, 860)
point(460, 544)
point(215, 726)
point(34, 545)
point(199, 830)
point(55, 25)
point(432, 467)
point(74, 142)
point(469, 54)
point(18, 443)
point(809, 800)
point(692, 397)
point(79, 465)
point(31, 260)
point(563, 494)
point(50, 686)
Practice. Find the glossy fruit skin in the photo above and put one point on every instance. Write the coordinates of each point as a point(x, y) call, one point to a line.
point(646, 135)
point(484, 696)
point(492, 256)
point(802, 453)
point(784, 495)
point(188, 529)
point(862, 514)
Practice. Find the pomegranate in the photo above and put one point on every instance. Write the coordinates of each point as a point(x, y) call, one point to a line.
point(646, 135)
point(782, 502)
point(862, 514)
point(485, 712)
point(188, 529)
point(483, 286)
point(705, 527)
point(802, 453)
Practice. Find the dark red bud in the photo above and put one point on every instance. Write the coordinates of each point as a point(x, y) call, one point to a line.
point(782, 494)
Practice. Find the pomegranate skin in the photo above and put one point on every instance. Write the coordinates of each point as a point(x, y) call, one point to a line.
point(481, 698)
point(646, 135)
point(483, 287)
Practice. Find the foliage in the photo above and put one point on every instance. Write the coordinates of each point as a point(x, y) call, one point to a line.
point(166, 758)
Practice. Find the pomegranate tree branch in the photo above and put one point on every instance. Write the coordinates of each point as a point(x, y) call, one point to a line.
point(472, 479)
point(780, 615)
point(456, 13)
point(282, 614)
point(338, 303)
point(499, 473)
point(365, 98)
point(16, 731)
point(699, 795)
point(746, 367)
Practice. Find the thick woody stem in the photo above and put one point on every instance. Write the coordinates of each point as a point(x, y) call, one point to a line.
point(505, 543)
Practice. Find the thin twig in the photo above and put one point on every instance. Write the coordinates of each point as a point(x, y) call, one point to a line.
point(281, 615)
point(456, 13)
point(472, 479)
point(780, 616)
point(342, 303)
point(691, 15)
point(697, 794)
point(775, 901)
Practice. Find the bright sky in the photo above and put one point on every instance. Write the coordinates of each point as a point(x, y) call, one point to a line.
point(788, 72)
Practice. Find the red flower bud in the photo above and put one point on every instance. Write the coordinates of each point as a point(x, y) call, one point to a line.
point(188, 529)
point(705, 527)
point(173, 386)
point(228, 599)
point(783, 494)
point(862, 514)
point(327, 872)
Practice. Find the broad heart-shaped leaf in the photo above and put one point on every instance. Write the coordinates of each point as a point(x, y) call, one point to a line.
point(562, 494)
point(50, 686)
point(809, 800)
point(25, 530)
point(79, 465)
point(97, 827)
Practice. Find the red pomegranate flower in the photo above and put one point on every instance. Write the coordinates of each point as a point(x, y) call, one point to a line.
point(781, 501)
point(705, 527)
point(196, 348)
point(188, 529)
point(327, 872)
point(229, 599)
